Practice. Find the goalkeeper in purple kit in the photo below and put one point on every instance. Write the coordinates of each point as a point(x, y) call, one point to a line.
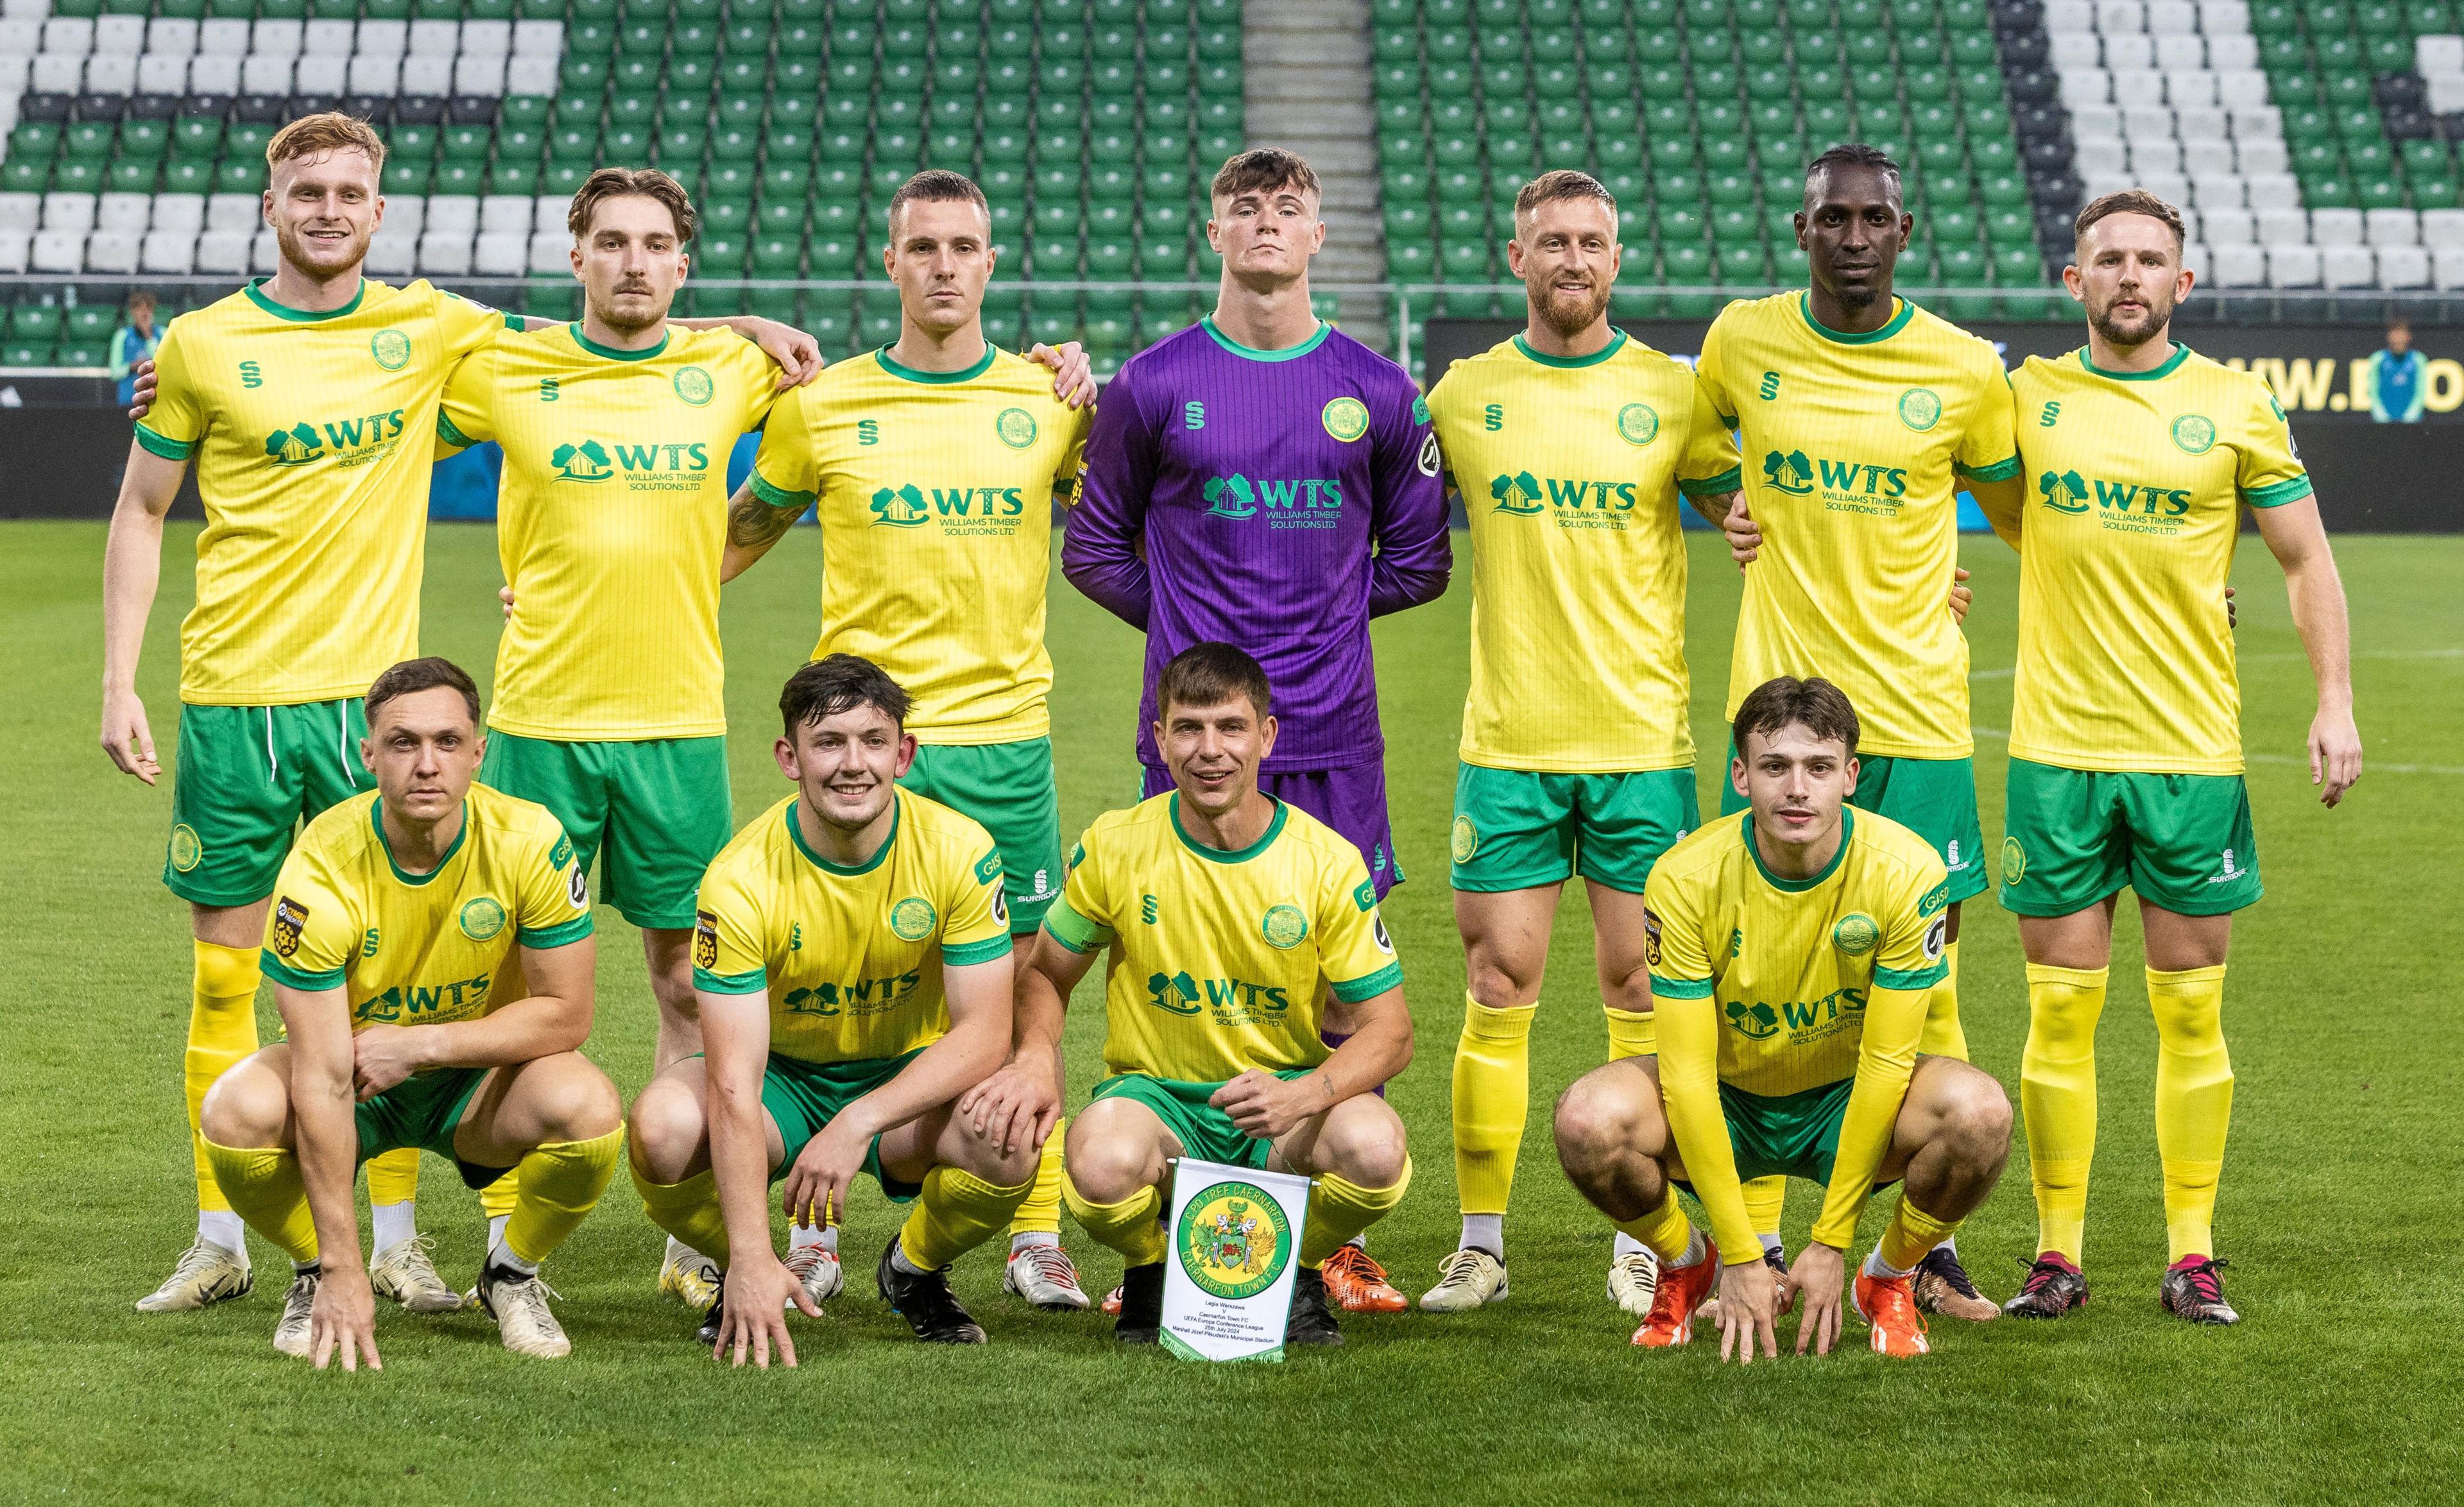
point(1264, 480)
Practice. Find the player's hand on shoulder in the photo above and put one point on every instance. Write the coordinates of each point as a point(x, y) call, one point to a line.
point(1817, 1278)
point(798, 353)
point(2233, 613)
point(1073, 375)
point(126, 737)
point(505, 595)
point(1744, 536)
point(1017, 1106)
point(141, 401)
point(1748, 1305)
point(754, 1317)
point(342, 1318)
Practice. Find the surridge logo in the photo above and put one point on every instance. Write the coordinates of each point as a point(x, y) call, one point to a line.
point(2069, 492)
point(1237, 497)
point(347, 441)
point(1800, 475)
point(1523, 493)
point(908, 506)
point(587, 460)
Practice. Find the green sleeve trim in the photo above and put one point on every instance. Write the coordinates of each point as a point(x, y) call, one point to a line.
point(282, 972)
point(1729, 480)
point(2275, 495)
point(564, 933)
point(1914, 978)
point(163, 445)
point(515, 322)
point(753, 981)
point(1074, 932)
point(446, 431)
point(1679, 987)
point(779, 496)
point(1391, 977)
point(965, 954)
point(2000, 470)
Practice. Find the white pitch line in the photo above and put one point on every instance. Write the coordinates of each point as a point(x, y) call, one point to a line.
point(2368, 767)
point(2009, 670)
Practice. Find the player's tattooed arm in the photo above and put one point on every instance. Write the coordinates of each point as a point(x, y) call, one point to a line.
point(752, 526)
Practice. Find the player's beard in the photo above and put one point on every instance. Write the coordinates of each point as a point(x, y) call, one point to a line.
point(627, 322)
point(2135, 333)
point(1570, 314)
point(320, 258)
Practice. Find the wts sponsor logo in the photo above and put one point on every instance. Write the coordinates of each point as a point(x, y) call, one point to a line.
point(1180, 994)
point(1523, 493)
point(1760, 1021)
point(413, 1001)
point(2068, 492)
point(1801, 476)
point(908, 506)
point(350, 441)
point(1237, 496)
point(863, 996)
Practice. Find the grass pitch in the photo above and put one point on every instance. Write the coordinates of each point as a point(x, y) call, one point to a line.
point(2341, 1384)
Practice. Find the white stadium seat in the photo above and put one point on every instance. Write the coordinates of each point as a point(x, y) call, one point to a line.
point(234, 211)
point(2348, 266)
point(532, 39)
point(551, 251)
point(2172, 188)
point(2077, 50)
point(2091, 157)
point(445, 255)
point(548, 211)
point(406, 214)
point(383, 39)
point(2151, 156)
point(111, 73)
point(112, 251)
point(2172, 17)
point(179, 211)
point(320, 74)
point(2335, 226)
point(57, 252)
point(479, 73)
point(2279, 223)
point(2266, 189)
point(2256, 123)
point(2085, 86)
point(176, 35)
point(2403, 267)
point(264, 252)
point(453, 213)
point(2181, 53)
point(2446, 93)
point(20, 211)
point(2100, 121)
point(2447, 268)
point(2262, 154)
point(2442, 227)
point(427, 75)
point(435, 39)
point(120, 33)
point(14, 247)
point(502, 256)
point(275, 38)
point(2241, 88)
point(391, 256)
point(215, 73)
point(223, 252)
point(163, 74)
point(2220, 17)
point(2232, 53)
point(2133, 84)
point(2384, 227)
point(2190, 88)
point(124, 211)
point(375, 76)
point(59, 72)
point(486, 38)
point(2147, 121)
point(22, 38)
point(531, 74)
point(71, 212)
point(171, 252)
point(265, 74)
point(2129, 49)
point(70, 35)
point(2203, 155)
point(222, 38)
point(2225, 227)
point(2442, 53)
point(2120, 15)
point(2069, 15)
point(327, 38)
point(505, 214)
point(2198, 122)
point(2293, 267)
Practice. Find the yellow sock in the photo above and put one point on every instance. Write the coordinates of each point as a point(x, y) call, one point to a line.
point(1765, 1198)
point(560, 1183)
point(2195, 1085)
point(957, 1212)
point(1041, 1213)
point(262, 1185)
point(688, 1210)
point(1911, 1234)
point(1339, 1210)
point(222, 1028)
point(1664, 1229)
point(1942, 1035)
point(393, 1178)
point(1128, 1227)
point(498, 1199)
point(1631, 1034)
point(1492, 1098)
point(2058, 1095)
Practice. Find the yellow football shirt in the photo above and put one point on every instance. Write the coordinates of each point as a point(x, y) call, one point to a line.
point(852, 958)
point(610, 521)
point(936, 493)
point(1853, 449)
point(311, 437)
point(2125, 655)
point(1772, 987)
point(1571, 470)
point(417, 949)
point(1217, 958)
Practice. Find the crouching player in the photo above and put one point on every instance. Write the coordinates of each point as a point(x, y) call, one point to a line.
point(851, 956)
point(1228, 914)
point(393, 916)
point(1791, 947)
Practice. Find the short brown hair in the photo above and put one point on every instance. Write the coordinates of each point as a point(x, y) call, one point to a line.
point(839, 683)
point(1815, 705)
point(329, 131)
point(421, 674)
point(1209, 675)
point(2128, 200)
point(617, 182)
point(1263, 169)
point(938, 186)
point(1561, 182)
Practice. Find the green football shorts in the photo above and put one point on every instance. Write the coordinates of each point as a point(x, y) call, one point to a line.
point(247, 777)
point(2074, 837)
point(1933, 798)
point(1514, 829)
point(654, 812)
point(1203, 1131)
point(803, 1097)
point(424, 1110)
point(1008, 787)
point(1786, 1135)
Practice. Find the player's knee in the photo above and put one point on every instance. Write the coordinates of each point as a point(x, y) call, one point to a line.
point(985, 1159)
point(1977, 1118)
point(1363, 1143)
point(1499, 983)
point(1106, 1169)
point(1594, 1122)
point(578, 1103)
point(247, 1108)
point(667, 1128)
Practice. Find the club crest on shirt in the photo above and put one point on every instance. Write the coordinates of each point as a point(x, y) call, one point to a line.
point(392, 349)
point(481, 919)
point(288, 916)
point(1638, 423)
point(694, 386)
point(1856, 934)
point(2195, 433)
point(911, 919)
point(1920, 408)
point(1283, 927)
point(1016, 427)
point(1347, 419)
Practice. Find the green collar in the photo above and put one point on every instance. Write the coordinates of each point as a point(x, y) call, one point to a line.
point(257, 294)
point(1847, 834)
point(376, 819)
point(1251, 353)
point(1897, 321)
point(2180, 354)
point(611, 353)
point(911, 374)
point(1274, 830)
point(1616, 343)
point(796, 833)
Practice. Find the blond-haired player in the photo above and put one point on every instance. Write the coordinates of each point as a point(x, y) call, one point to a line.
point(2125, 735)
point(1572, 445)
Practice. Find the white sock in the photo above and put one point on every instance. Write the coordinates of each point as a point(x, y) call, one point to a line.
point(1697, 1251)
point(497, 1230)
point(801, 1235)
point(1951, 1243)
point(224, 1228)
point(1484, 1231)
point(899, 1261)
point(1359, 1241)
point(1876, 1266)
point(503, 1255)
point(1028, 1240)
point(389, 1225)
point(1770, 1243)
point(1627, 1245)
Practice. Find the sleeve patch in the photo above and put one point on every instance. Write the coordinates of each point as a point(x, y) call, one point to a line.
point(1366, 896)
point(577, 887)
point(1935, 899)
point(1650, 938)
point(289, 917)
point(705, 940)
point(988, 867)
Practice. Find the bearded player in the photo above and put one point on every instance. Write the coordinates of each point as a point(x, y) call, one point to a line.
point(1573, 445)
point(1266, 481)
point(2126, 731)
point(1793, 947)
point(1860, 417)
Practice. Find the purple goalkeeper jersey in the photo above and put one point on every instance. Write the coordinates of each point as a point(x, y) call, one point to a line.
point(1276, 500)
